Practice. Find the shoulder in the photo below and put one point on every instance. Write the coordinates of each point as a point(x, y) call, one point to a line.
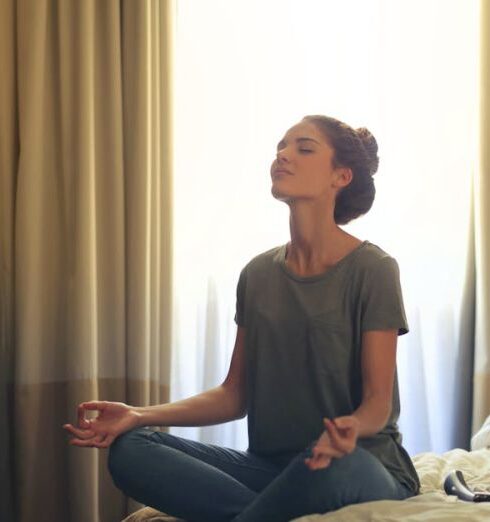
point(376, 274)
point(265, 260)
point(373, 258)
point(374, 266)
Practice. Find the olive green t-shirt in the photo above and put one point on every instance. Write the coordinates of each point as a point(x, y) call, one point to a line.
point(303, 349)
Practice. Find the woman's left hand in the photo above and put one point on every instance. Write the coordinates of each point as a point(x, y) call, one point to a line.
point(338, 439)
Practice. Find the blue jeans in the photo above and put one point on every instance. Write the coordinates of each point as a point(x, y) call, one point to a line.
point(206, 483)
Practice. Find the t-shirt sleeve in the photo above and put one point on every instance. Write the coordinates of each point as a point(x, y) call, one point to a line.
point(240, 299)
point(382, 301)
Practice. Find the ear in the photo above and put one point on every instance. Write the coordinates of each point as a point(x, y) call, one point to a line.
point(343, 176)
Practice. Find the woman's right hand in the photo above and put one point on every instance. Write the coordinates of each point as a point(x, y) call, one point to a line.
point(113, 419)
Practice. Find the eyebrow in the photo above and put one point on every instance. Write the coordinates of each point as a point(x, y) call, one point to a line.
point(298, 140)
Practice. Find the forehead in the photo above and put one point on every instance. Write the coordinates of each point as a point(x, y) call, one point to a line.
point(306, 129)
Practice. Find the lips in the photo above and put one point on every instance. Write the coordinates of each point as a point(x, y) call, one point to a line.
point(276, 173)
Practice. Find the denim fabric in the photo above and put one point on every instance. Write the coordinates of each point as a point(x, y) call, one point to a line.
point(207, 483)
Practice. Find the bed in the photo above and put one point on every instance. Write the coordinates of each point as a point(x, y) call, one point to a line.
point(432, 505)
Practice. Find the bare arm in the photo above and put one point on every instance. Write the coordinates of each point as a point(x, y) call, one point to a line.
point(378, 362)
point(221, 404)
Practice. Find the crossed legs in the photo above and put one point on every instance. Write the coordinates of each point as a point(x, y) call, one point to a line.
point(207, 483)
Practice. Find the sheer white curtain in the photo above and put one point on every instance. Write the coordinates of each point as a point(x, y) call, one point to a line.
point(246, 70)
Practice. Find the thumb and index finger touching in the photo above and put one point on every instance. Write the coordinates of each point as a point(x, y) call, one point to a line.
point(84, 406)
point(342, 433)
point(83, 423)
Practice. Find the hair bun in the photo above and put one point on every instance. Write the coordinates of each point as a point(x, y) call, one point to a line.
point(371, 147)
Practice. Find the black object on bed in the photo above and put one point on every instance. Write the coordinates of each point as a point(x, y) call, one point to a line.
point(455, 484)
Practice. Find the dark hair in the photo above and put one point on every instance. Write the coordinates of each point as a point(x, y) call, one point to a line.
point(356, 149)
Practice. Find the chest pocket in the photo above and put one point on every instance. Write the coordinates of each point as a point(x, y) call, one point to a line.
point(329, 348)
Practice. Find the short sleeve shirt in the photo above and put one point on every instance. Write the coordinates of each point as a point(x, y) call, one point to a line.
point(303, 349)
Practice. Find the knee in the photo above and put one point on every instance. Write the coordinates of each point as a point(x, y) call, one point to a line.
point(126, 455)
point(132, 454)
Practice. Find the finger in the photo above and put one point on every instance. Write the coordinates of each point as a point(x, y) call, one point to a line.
point(325, 451)
point(99, 441)
point(91, 441)
point(310, 464)
point(343, 423)
point(330, 424)
point(82, 443)
point(344, 440)
point(319, 458)
point(315, 464)
point(334, 434)
point(322, 463)
point(330, 428)
point(82, 422)
point(94, 405)
point(80, 433)
point(89, 406)
point(328, 451)
point(106, 442)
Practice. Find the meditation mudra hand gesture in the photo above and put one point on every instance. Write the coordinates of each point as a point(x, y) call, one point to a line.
point(338, 439)
point(113, 419)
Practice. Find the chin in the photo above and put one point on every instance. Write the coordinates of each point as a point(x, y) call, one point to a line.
point(280, 194)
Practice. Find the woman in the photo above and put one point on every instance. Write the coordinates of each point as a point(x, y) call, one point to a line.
point(313, 365)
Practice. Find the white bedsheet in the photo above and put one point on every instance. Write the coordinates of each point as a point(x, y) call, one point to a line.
point(432, 504)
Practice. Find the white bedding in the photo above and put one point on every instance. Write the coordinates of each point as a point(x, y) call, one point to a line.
point(432, 504)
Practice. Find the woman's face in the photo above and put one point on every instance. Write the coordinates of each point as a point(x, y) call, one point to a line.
point(303, 166)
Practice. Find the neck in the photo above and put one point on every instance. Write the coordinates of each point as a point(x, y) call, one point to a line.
point(317, 242)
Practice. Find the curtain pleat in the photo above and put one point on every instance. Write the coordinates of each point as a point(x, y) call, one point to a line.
point(481, 383)
point(9, 152)
point(85, 259)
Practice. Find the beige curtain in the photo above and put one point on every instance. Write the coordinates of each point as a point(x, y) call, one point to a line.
point(84, 239)
point(481, 385)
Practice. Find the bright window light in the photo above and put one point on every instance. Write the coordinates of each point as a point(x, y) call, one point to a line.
point(246, 70)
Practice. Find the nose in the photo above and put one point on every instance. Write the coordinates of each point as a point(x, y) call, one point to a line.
point(282, 156)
